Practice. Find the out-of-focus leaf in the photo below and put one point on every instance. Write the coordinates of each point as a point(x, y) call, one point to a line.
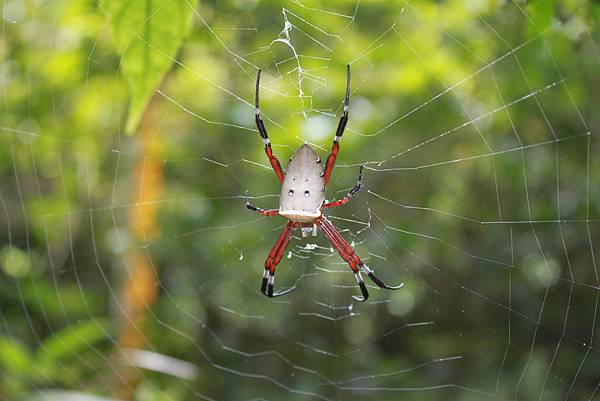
point(14, 356)
point(73, 340)
point(595, 12)
point(542, 12)
point(42, 296)
point(147, 35)
point(14, 262)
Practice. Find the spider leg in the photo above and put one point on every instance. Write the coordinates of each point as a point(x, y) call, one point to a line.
point(264, 212)
point(344, 253)
point(263, 134)
point(348, 254)
point(350, 194)
point(339, 132)
point(275, 255)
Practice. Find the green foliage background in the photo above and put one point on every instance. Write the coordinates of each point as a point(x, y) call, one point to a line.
point(510, 92)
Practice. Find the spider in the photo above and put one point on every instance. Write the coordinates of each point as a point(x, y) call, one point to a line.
point(302, 201)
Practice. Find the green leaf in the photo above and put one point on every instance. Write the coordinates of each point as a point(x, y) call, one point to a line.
point(542, 12)
point(147, 34)
point(73, 340)
point(14, 356)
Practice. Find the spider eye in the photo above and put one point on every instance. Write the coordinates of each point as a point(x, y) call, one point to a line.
point(291, 192)
point(306, 194)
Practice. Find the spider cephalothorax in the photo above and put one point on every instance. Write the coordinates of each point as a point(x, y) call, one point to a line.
point(302, 202)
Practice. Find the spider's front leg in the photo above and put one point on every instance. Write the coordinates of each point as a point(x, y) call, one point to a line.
point(265, 137)
point(348, 254)
point(275, 255)
point(339, 132)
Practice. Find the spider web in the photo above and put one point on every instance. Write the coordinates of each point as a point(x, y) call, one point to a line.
point(475, 122)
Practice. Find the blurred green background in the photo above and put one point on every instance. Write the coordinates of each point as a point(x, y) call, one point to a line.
point(130, 267)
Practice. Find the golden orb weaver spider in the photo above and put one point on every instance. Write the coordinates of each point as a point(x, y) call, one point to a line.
point(302, 201)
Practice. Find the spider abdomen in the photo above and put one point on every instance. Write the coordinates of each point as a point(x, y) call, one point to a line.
point(303, 188)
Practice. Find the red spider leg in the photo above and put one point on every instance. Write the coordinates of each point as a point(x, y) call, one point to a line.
point(276, 252)
point(336, 238)
point(331, 159)
point(265, 137)
point(273, 260)
point(264, 212)
point(268, 212)
point(348, 254)
point(350, 194)
point(339, 132)
point(364, 268)
point(271, 256)
point(339, 246)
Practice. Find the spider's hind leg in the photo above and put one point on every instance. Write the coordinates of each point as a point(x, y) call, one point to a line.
point(364, 268)
point(357, 266)
point(268, 285)
point(275, 255)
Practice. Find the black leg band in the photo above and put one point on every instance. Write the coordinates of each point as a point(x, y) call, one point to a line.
point(376, 280)
point(363, 289)
point(263, 286)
